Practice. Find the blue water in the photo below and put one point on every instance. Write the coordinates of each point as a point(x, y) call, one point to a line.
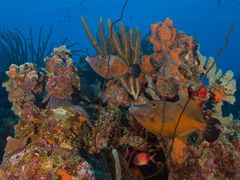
point(207, 20)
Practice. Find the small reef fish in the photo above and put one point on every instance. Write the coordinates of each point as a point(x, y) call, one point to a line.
point(117, 67)
point(161, 118)
point(143, 158)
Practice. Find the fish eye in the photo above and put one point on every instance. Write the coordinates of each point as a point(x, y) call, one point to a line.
point(101, 57)
point(154, 105)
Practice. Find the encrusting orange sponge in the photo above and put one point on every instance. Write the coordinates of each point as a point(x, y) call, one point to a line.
point(64, 175)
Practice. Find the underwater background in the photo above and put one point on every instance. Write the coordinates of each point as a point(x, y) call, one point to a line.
point(207, 21)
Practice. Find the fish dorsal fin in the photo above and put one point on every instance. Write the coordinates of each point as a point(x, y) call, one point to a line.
point(167, 111)
point(192, 108)
point(117, 58)
point(182, 101)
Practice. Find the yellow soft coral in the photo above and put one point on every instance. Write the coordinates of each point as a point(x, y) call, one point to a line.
point(222, 87)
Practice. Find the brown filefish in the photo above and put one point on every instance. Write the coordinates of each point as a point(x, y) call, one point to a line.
point(161, 118)
point(117, 67)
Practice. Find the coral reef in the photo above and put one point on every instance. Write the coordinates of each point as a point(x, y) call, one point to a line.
point(174, 70)
point(45, 143)
point(7, 117)
point(159, 115)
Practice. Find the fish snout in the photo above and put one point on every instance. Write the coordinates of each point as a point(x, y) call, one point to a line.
point(89, 59)
point(138, 110)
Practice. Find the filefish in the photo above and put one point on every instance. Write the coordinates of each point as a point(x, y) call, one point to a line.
point(161, 118)
point(117, 67)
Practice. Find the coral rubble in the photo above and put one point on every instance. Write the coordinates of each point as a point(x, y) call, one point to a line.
point(60, 137)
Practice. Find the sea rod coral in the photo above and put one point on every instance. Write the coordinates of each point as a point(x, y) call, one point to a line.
point(123, 53)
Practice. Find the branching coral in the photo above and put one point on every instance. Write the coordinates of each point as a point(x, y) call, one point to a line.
point(19, 49)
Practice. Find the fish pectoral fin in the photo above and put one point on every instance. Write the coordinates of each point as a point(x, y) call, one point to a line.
point(183, 138)
point(186, 133)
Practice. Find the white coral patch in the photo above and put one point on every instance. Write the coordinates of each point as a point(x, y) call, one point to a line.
point(59, 111)
point(230, 99)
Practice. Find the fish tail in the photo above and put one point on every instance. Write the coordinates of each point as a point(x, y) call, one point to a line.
point(135, 70)
point(152, 158)
point(211, 132)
